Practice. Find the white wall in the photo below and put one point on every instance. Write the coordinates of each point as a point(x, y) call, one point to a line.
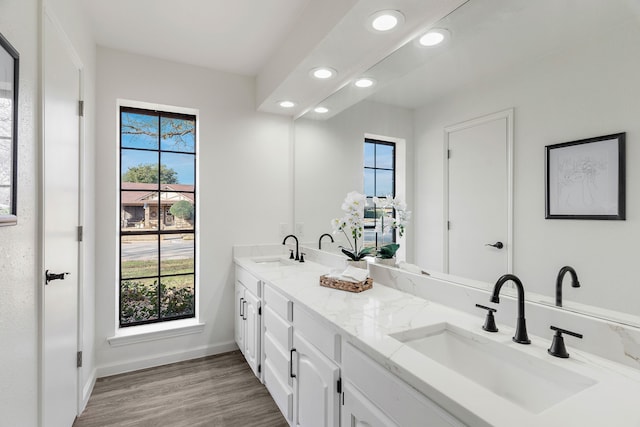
point(19, 244)
point(329, 162)
point(567, 96)
point(244, 173)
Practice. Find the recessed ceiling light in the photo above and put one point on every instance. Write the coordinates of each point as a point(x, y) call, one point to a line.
point(323, 73)
point(321, 110)
point(364, 82)
point(287, 104)
point(434, 37)
point(385, 20)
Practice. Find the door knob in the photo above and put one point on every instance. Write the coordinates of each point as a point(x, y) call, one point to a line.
point(54, 276)
point(497, 245)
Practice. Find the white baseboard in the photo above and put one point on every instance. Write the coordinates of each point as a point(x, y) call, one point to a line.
point(87, 389)
point(164, 359)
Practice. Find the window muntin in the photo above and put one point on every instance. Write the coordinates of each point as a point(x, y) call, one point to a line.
point(157, 216)
point(379, 181)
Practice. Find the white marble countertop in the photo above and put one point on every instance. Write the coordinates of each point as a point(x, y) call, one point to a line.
point(366, 320)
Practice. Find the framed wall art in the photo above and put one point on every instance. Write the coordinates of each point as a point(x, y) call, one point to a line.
point(9, 67)
point(585, 179)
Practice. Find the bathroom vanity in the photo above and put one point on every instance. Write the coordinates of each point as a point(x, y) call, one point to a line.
point(388, 357)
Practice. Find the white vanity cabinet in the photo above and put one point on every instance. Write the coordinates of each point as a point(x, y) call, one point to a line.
point(278, 342)
point(316, 372)
point(299, 363)
point(373, 396)
point(316, 384)
point(248, 329)
point(358, 410)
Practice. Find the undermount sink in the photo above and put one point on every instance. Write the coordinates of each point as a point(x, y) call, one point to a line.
point(274, 262)
point(527, 381)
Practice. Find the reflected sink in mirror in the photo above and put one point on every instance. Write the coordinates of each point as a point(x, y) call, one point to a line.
point(528, 382)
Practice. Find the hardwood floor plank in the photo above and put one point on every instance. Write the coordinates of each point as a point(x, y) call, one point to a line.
point(218, 390)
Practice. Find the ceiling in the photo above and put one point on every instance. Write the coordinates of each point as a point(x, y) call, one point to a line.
point(237, 36)
point(275, 41)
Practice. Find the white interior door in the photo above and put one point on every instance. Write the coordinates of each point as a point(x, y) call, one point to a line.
point(478, 232)
point(61, 162)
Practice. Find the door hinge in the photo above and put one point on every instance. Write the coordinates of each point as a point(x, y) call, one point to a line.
point(339, 385)
point(79, 359)
point(259, 368)
point(259, 311)
point(448, 154)
point(81, 108)
point(80, 233)
point(448, 225)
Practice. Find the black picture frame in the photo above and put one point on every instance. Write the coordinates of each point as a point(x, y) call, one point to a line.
point(585, 179)
point(9, 78)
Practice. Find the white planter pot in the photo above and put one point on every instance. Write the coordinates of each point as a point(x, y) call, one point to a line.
point(358, 264)
point(391, 262)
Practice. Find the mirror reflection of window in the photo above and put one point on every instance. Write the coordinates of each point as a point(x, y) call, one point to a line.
point(379, 181)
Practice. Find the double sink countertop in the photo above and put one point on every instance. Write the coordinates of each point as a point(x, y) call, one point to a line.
point(496, 382)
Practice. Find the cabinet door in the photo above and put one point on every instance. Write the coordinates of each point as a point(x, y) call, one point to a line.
point(239, 317)
point(358, 411)
point(316, 398)
point(252, 331)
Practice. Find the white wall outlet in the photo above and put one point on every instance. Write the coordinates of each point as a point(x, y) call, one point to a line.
point(299, 229)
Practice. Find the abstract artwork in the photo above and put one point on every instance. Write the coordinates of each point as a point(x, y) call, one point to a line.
point(585, 179)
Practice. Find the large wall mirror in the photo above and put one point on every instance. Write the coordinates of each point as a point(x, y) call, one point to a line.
point(568, 70)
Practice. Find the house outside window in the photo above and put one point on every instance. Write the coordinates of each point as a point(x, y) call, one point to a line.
point(157, 216)
point(379, 181)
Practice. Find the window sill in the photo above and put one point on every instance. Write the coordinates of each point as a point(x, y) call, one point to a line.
point(154, 332)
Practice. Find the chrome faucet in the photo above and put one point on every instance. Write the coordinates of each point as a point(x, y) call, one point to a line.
point(574, 282)
point(320, 240)
point(297, 258)
point(521, 336)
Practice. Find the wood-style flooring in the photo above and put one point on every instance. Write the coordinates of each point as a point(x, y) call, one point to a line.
point(215, 391)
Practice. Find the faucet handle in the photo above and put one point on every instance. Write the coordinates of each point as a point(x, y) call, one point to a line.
point(490, 321)
point(290, 253)
point(558, 348)
point(302, 254)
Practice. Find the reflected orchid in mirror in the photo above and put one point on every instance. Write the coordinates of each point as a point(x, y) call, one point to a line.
point(402, 215)
point(389, 221)
point(352, 225)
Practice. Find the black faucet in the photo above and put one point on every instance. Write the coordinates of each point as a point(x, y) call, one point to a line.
point(297, 258)
point(320, 240)
point(574, 282)
point(521, 336)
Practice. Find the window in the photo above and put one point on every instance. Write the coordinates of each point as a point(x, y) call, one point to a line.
point(157, 216)
point(379, 181)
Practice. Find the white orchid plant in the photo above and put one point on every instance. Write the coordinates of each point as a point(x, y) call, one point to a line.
point(352, 225)
point(397, 222)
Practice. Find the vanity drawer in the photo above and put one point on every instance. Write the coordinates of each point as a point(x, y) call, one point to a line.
point(278, 358)
point(396, 399)
point(281, 393)
point(280, 304)
point(317, 332)
point(281, 331)
point(248, 280)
